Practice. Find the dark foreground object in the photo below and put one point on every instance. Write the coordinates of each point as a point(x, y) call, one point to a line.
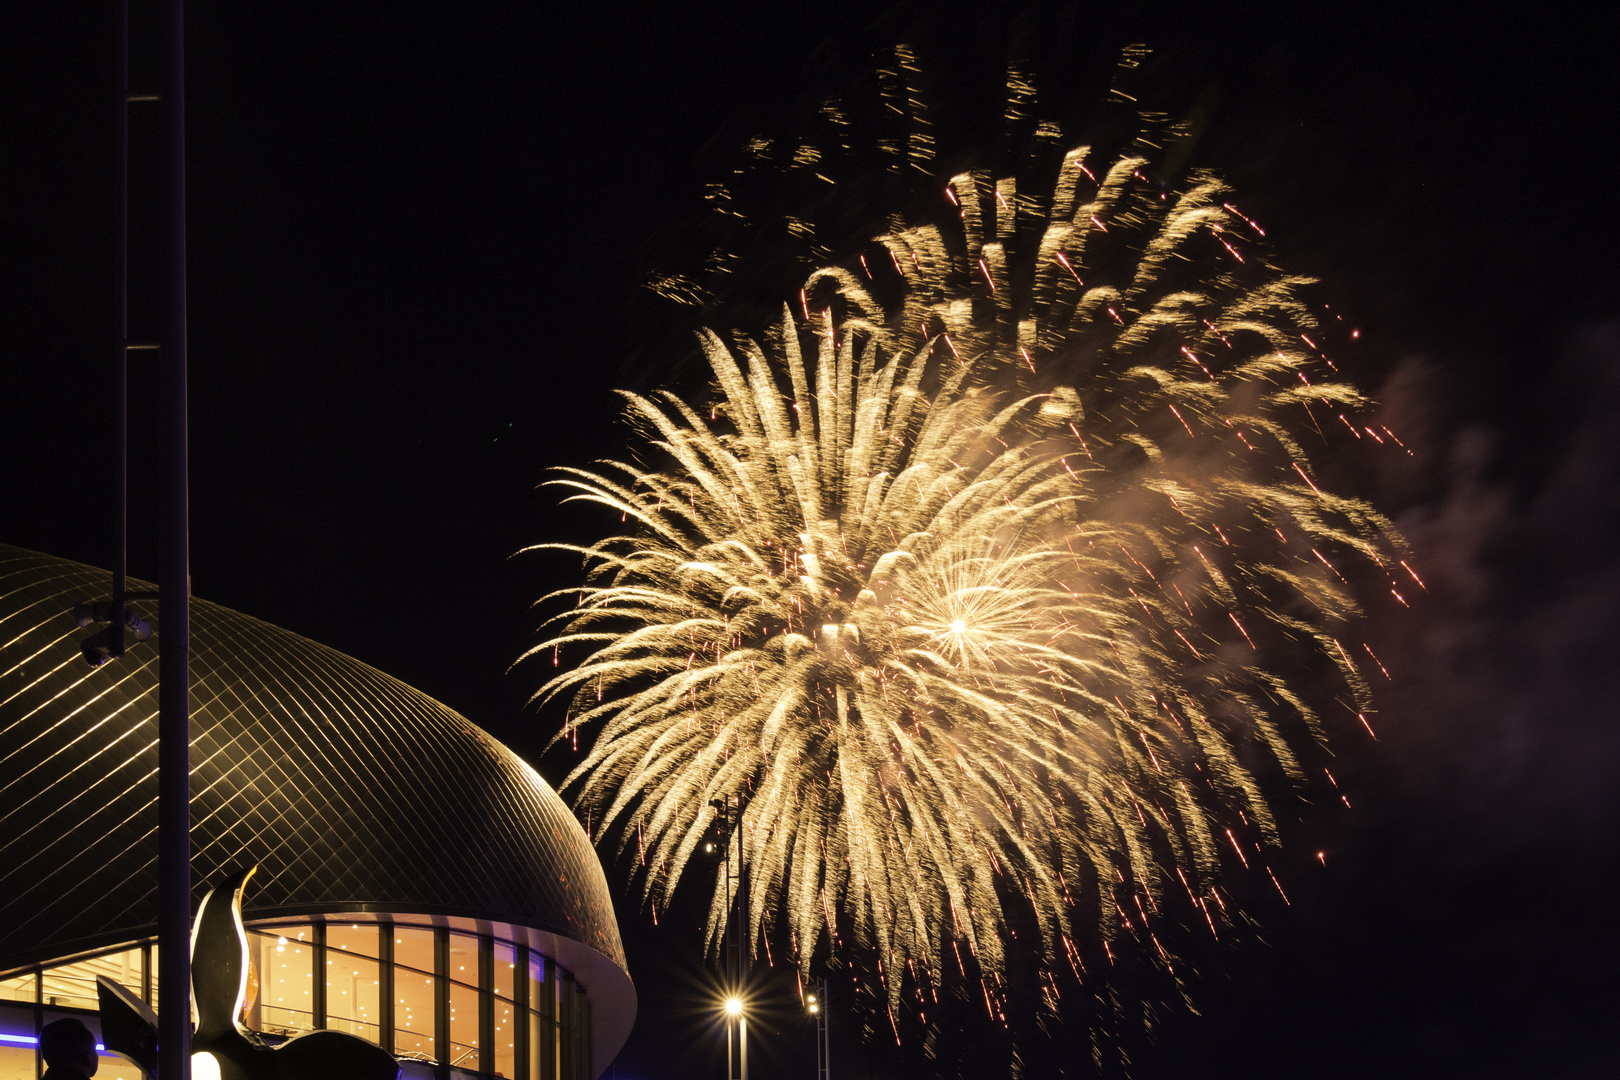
point(222, 1047)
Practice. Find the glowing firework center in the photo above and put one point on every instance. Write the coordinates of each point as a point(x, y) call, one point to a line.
point(420, 885)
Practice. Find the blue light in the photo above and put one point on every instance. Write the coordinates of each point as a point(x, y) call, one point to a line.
point(29, 1040)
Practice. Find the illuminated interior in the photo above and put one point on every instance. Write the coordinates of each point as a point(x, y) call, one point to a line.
point(482, 1005)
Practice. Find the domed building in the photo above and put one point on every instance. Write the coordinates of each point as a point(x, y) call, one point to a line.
point(419, 885)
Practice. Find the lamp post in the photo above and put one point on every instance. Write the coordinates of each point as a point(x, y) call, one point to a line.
point(734, 960)
point(817, 1003)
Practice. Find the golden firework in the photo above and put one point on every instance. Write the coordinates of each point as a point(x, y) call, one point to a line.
point(978, 595)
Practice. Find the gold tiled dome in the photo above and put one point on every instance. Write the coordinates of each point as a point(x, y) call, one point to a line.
point(352, 791)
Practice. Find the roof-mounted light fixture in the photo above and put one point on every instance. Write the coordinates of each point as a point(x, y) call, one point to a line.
point(124, 622)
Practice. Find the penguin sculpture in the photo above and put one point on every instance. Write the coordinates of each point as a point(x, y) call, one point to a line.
point(222, 1046)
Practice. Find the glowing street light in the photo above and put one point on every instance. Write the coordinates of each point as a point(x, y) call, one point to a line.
point(734, 1006)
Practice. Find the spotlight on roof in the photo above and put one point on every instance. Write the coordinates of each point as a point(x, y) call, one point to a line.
point(108, 644)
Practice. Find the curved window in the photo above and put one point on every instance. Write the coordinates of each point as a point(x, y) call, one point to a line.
point(505, 1008)
point(415, 994)
point(285, 963)
point(354, 980)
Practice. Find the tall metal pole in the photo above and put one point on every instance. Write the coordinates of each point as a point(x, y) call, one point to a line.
point(174, 602)
point(744, 939)
point(731, 972)
point(825, 1049)
point(121, 422)
point(818, 1007)
point(734, 941)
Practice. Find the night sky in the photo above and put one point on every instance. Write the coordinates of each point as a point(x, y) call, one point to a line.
point(416, 233)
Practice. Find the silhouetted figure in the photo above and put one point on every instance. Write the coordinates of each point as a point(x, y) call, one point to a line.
point(69, 1050)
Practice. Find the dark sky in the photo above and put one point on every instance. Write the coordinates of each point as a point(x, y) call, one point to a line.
point(416, 232)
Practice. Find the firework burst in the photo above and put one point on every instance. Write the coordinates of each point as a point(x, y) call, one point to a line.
point(976, 577)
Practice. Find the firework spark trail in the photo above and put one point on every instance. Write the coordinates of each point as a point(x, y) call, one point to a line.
point(972, 624)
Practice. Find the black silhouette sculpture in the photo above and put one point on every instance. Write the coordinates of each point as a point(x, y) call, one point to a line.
point(222, 1046)
point(128, 1025)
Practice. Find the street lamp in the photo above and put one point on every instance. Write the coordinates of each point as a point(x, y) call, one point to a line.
point(817, 1003)
point(725, 835)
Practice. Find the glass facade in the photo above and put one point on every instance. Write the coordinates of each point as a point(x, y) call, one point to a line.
point(74, 985)
point(415, 993)
point(354, 980)
point(285, 964)
point(506, 1009)
point(452, 1002)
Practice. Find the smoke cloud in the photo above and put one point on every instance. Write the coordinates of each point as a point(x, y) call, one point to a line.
point(1504, 700)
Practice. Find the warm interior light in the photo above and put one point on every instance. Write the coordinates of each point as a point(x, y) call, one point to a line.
point(734, 1006)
